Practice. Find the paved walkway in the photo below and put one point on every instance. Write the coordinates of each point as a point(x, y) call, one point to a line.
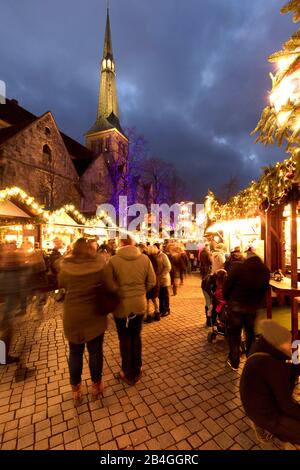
point(187, 399)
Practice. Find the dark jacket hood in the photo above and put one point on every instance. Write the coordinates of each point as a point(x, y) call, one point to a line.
point(262, 345)
point(129, 253)
point(79, 266)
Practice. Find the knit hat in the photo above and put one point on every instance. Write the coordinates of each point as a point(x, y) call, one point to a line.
point(274, 333)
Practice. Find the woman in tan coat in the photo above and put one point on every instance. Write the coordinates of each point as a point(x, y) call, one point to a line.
point(135, 276)
point(81, 275)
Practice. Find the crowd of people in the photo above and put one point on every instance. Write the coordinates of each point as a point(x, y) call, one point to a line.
point(234, 287)
point(138, 276)
point(133, 282)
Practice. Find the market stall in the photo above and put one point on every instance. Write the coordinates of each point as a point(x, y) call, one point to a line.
point(20, 217)
point(239, 232)
point(61, 224)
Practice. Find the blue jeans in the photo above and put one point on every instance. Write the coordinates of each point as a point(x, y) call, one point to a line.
point(164, 300)
point(95, 350)
point(130, 345)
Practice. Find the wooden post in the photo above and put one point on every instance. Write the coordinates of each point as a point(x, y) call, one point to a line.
point(268, 240)
point(283, 245)
point(269, 302)
point(294, 274)
point(39, 229)
point(295, 308)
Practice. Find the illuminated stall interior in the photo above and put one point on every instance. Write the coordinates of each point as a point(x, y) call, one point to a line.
point(287, 238)
point(239, 233)
point(62, 226)
point(20, 217)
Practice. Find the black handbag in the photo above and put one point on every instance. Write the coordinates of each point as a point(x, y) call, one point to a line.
point(106, 301)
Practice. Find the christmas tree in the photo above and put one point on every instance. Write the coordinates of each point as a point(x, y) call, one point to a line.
point(280, 121)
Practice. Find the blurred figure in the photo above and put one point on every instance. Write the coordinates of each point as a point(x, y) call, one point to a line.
point(184, 264)
point(152, 295)
point(143, 248)
point(69, 250)
point(93, 244)
point(234, 256)
point(104, 250)
point(244, 290)
point(164, 281)
point(135, 276)
point(267, 384)
point(55, 258)
point(174, 256)
point(205, 271)
point(111, 247)
point(81, 275)
point(218, 258)
point(12, 265)
point(205, 261)
point(36, 280)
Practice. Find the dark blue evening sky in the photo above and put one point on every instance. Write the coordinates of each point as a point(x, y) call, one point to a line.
point(192, 75)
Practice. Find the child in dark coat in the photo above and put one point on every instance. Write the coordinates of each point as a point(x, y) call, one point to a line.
point(267, 384)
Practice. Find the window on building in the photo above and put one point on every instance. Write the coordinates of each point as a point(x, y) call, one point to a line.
point(47, 154)
point(47, 131)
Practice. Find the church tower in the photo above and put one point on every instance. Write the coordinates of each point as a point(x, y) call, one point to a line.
point(106, 136)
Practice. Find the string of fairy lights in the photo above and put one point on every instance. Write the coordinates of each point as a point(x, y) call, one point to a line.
point(43, 215)
point(272, 189)
point(101, 220)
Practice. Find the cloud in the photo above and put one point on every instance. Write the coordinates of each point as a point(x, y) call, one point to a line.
point(192, 76)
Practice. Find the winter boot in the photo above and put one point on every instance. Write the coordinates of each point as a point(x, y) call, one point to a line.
point(77, 394)
point(156, 316)
point(97, 388)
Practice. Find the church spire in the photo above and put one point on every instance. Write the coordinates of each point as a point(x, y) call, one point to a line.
point(108, 101)
point(108, 111)
point(107, 51)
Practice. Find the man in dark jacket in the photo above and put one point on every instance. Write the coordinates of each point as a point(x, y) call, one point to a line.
point(205, 261)
point(235, 255)
point(244, 290)
point(267, 383)
point(205, 270)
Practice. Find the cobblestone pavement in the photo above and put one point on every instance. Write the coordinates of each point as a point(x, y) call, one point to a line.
point(187, 398)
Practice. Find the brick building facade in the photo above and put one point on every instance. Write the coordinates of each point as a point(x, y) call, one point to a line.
point(54, 168)
point(37, 157)
point(34, 157)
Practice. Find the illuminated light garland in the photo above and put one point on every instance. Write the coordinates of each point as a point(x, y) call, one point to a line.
point(272, 189)
point(18, 193)
point(68, 209)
